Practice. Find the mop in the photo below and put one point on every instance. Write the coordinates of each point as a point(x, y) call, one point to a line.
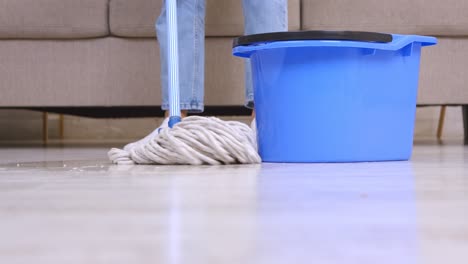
point(193, 140)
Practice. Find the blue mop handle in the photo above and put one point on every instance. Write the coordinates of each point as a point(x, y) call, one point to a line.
point(173, 59)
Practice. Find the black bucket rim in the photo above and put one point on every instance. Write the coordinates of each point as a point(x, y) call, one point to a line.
point(361, 36)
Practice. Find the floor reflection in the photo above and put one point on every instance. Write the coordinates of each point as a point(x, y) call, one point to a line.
point(338, 212)
point(269, 213)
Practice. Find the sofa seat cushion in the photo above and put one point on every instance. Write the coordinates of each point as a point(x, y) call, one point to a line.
point(53, 19)
point(426, 17)
point(136, 18)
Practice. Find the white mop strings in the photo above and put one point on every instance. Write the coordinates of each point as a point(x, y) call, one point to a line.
point(195, 141)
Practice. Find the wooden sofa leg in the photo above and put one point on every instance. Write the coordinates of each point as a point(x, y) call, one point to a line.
point(440, 127)
point(45, 128)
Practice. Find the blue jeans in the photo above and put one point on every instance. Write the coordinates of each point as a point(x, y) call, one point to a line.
point(260, 16)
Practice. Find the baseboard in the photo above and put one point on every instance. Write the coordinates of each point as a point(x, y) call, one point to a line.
point(134, 111)
point(147, 111)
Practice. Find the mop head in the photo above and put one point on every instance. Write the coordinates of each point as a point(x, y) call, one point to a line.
point(195, 141)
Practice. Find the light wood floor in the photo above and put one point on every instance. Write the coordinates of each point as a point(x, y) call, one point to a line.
point(68, 205)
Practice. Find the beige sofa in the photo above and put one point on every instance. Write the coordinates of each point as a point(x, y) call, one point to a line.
point(104, 52)
point(63, 54)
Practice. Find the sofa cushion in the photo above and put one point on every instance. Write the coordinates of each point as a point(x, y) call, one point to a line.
point(429, 17)
point(85, 72)
point(136, 18)
point(105, 72)
point(59, 19)
point(443, 76)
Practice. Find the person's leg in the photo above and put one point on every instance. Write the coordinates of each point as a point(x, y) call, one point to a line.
point(262, 16)
point(191, 27)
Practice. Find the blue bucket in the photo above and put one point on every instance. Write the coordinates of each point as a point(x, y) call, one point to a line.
point(334, 96)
